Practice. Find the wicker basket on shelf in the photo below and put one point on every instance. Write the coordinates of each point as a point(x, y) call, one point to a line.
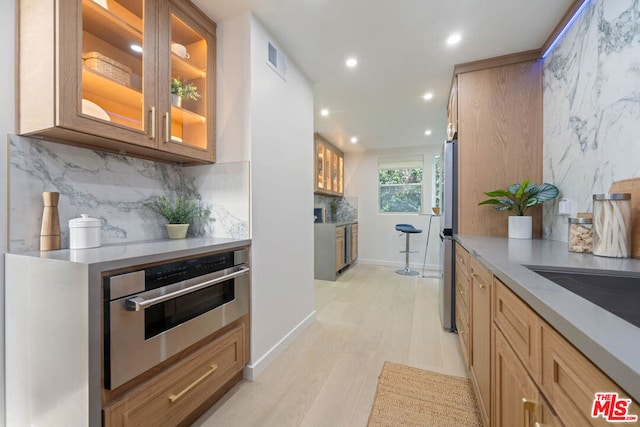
point(107, 67)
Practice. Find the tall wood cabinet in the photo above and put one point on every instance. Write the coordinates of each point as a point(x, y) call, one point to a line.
point(497, 112)
point(102, 74)
point(328, 168)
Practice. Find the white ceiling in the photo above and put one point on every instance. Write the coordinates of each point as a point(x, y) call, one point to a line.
point(401, 49)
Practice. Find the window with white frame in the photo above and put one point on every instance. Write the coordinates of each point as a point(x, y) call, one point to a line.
point(400, 184)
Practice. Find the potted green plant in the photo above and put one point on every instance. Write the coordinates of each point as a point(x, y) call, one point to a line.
point(517, 199)
point(179, 213)
point(180, 90)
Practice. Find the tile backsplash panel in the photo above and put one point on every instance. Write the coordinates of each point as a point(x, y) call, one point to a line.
point(592, 108)
point(115, 189)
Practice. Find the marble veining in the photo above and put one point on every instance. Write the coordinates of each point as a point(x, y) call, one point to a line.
point(114, 189)
point(592, 107)
point(346, 208)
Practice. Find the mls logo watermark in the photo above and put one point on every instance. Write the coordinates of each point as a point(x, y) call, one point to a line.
point(612, 408)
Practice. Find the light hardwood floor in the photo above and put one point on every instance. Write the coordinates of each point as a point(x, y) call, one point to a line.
point(328, 377)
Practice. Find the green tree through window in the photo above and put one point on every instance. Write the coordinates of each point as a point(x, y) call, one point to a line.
point(400, 189)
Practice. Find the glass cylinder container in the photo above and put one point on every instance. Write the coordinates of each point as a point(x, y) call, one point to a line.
point(612, 225)
point(581, 235)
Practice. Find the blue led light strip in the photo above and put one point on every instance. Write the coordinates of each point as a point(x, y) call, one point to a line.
point(566, 28)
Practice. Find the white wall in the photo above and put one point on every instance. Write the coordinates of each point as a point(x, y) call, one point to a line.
point(7, 125)
point(378, 241)
point(269, 121)
point(233, 76)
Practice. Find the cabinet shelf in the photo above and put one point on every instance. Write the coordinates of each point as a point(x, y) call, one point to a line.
point(119, 28)
point(185, 116)
point(102, 86)
point(186, 71)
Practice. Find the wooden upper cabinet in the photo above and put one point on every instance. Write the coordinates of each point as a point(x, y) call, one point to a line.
point(98, 73)
point(328, 168)
point(500, 141)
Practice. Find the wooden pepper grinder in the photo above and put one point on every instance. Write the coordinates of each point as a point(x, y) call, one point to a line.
point(50, 231)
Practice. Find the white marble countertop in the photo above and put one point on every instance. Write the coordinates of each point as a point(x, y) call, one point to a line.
point(610, 342)
point(132, 253)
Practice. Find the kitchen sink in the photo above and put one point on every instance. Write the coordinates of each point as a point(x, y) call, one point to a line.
point(616, 292)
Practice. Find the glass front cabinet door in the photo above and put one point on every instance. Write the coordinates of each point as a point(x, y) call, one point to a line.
point(116, 71)
point(187, 85)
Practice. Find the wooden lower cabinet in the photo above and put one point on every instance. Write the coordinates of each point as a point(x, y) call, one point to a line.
point(178, 394)
point(515, 395)
point(519, 324)
point(463, 297)
point(481, 284)
point(354, 242)
point(339, 248)
point(570, 381)
point(536, 377)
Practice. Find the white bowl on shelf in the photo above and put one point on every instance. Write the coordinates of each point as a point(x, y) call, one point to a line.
point(102, 3)
point(92, 109)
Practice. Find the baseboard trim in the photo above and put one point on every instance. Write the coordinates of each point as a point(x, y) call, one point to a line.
point(416, 266)
point(253, 370)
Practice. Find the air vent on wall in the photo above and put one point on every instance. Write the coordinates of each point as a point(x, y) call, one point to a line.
point(277, 61)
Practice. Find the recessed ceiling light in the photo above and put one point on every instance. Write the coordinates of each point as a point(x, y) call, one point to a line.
point(136, 48)
point(354, 139)
point(352, 62)
point(427, 132)
point(324, 112)
point(427, 96)
point(454, 39)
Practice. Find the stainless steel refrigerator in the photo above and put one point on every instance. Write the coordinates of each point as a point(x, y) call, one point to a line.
point(448, 227)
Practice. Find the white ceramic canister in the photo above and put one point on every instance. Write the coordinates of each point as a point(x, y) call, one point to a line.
point(84, 232)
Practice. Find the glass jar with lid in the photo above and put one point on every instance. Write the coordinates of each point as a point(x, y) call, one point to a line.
point(581, 234)
point(612, 225)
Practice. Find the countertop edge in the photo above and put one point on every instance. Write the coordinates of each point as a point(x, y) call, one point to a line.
point(140, 252)
point(610, 361)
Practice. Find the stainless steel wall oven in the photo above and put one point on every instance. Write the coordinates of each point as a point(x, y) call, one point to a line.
point(155, 312)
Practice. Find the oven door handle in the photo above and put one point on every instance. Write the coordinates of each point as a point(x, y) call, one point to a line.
point(138, 303)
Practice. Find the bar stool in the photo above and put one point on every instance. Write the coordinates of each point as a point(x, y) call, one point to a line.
point(407, 229)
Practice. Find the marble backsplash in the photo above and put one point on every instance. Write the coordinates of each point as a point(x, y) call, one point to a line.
point(592, 107)
point(115, 189)
point(346, 208)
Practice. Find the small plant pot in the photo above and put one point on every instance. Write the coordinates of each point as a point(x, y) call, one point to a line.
point(177, 231)
point(520, 227)
point(176, 100)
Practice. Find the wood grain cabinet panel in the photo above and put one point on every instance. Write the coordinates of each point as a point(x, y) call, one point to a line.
point(481, 284)
point(339, 248)
point(354, 242)
point(500, 141)
point(172, 397)
point(462, 301)
point(570, 381)
point(515, 394)
point(519, 324)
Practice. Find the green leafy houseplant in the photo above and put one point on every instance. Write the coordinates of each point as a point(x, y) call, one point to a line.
point(180, 211)
point(520, 197)
point(184, 90)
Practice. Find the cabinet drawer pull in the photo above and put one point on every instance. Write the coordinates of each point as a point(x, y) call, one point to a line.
point(537, 424)
point(527, 406)
point(175, 397)
point(479, 279)
point(152, 110)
